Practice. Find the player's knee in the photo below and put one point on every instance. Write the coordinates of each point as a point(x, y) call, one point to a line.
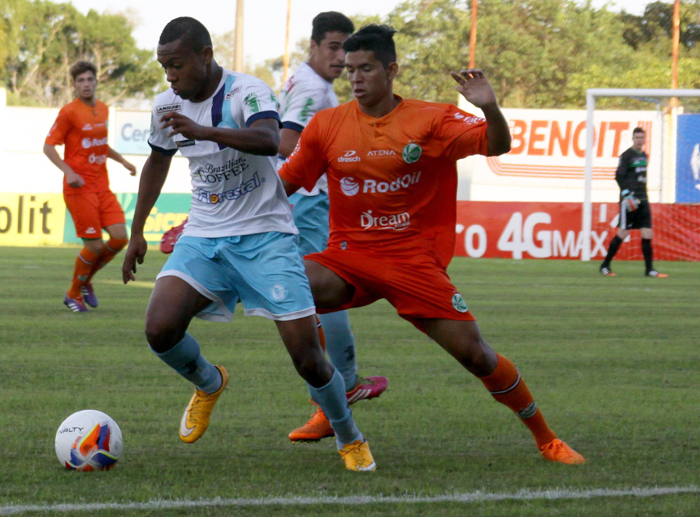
point(95, 246)
point(161, 334)
point(312, 367)
point(480, 358)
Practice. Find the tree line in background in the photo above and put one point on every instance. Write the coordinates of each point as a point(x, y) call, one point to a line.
point(536, 53)
point(40, 40)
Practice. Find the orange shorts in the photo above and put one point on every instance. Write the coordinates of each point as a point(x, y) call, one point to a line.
point(416, 285)
point(92, 211)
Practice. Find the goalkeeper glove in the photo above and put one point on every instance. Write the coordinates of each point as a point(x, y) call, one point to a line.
point(630, 202)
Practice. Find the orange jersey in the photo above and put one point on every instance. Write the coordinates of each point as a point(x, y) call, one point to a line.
point(392, 181)
point(83, 131)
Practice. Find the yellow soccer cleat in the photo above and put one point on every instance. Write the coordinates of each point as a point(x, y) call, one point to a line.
point(195, 420)
point(358, 457)
point(317, 428)
point(556, 450)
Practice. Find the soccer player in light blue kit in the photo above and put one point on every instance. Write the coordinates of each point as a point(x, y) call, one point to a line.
point(240, 242)
point(308, 91)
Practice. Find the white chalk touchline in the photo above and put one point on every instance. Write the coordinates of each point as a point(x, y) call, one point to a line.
point(474, 497)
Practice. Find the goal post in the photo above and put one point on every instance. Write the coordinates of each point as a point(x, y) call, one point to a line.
point(591, 95)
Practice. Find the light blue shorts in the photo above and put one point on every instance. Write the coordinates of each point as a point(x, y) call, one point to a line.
point(264, 271)
point(311, 217)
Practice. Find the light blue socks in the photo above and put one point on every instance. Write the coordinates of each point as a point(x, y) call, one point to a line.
point(186, 359)
point(334, 404)
point(340, 345)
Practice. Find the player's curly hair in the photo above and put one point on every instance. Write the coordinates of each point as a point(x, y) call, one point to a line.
point(377, 38)
point(81, 67)
point(330, 21)
point(190, 31)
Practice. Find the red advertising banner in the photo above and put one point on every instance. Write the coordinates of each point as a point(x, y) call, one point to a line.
point(553, 231)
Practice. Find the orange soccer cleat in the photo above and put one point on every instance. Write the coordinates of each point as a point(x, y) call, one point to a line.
point(556, 450)
point(655, 274)
point(317, 428)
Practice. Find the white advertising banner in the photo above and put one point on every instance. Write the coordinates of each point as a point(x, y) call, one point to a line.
point(547, 157)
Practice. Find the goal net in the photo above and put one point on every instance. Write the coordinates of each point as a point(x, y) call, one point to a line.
point(673, 173)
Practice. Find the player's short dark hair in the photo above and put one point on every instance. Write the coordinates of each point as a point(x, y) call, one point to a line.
point(637, 130)
point(189, 31)
point(81, 67)
point(330, 21)
point(377, 38)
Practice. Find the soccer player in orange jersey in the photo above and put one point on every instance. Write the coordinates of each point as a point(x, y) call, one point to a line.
point(392, 181)
point(82, 127)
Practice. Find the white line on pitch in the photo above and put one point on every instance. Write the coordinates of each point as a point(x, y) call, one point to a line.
point(474, 497)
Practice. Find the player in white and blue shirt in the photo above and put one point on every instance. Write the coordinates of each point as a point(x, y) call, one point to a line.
point(308, 91)
point(240, 242)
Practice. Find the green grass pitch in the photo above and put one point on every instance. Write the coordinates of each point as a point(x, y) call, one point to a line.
point(614, 363)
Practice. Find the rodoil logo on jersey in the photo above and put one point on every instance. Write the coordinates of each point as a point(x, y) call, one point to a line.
point(215, 198)
point(350, 187)
point(396, 222)
point(91, 142)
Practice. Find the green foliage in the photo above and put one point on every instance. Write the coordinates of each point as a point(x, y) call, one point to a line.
point(45, 39)
point(613, 363)
point(538, 53)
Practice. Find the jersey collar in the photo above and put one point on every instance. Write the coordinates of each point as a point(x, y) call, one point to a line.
point(381, 121)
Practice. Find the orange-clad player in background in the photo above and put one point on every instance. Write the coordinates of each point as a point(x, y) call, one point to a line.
point(392, 181)
point(82, 127)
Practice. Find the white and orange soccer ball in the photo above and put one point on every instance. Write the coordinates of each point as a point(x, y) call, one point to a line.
point(88, 440)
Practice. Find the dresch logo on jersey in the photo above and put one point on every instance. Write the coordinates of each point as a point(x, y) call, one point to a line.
point(349, 156)
point(246, 187)
point(385, 222)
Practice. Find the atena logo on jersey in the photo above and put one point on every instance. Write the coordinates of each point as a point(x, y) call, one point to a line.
point(212, 198)
point(349, 156)
point(91, 142)
point(385, 222)
point(381, 153)
point(350, 187)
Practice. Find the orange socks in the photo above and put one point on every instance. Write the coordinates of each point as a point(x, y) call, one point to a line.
point(507, 387)
point(83, 265)
point(109, 251)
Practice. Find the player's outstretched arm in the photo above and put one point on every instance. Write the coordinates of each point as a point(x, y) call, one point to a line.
point(114, 155)
point(261, 138)
point(153, 176)
point(477, 90)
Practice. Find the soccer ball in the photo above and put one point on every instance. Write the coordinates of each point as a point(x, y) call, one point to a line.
point(88, 440)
